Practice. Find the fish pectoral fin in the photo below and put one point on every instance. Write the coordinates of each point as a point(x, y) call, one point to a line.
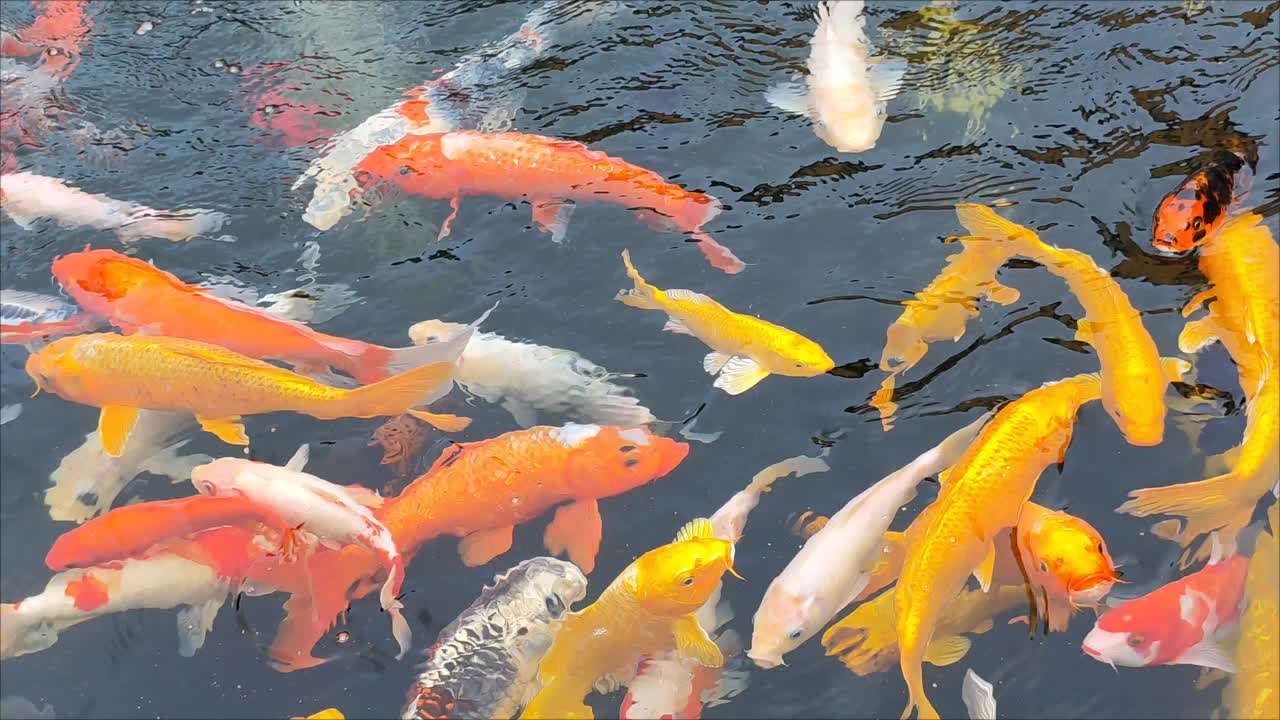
point(114, 425)
point(1174, 369)
point(1207, 653)
point(522, 412)
point(692, 642)
point(553, 216)
point(792, 97)
point(480, 547)
point(1221, 463)
point(228, 429)
point(1198, 301)
point(1084, 331)
point(577, 529)
point(947, 650)
point(677, 326)
point(1198, 334)
point(739, 375)
point(985, 569)
point(886, 76)
point(714, 362)
point(1058, 615)
point(983, 627)
point(194, 623)
point(1002, 294)
point(442, 421)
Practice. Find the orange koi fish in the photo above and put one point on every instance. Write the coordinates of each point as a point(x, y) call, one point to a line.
point(941, 311)
point(1133, 378)
point(549, 173)
point(138, 297)
point(1191, 214)
point(1242, 264)
point(121, 375)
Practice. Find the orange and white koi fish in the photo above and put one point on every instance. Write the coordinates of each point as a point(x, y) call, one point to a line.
point(647, 609)
point(26, 197)
point(1134, 381)
point(1242, 263)
point(745, 349)
point(27, 317)
point(847, 88)
point(122, 375)
point(549, 173)
point(941, 310)
point(1252, 691)
point(138, 297)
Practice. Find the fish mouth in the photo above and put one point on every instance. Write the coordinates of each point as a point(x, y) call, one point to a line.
point(765, 661)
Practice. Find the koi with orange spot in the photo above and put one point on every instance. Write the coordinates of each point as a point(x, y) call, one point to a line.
point(1193, 213)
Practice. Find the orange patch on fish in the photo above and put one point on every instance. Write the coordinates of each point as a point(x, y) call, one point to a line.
point(88, 592)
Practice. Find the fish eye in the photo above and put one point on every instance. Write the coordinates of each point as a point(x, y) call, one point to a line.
point(53, 51)
point(555, 605)
point(1044, 567)
point(1135, 640)
point(687, 581)
point(433, 338)
point(403, 170)
point(1197, 223)
point(795, 634)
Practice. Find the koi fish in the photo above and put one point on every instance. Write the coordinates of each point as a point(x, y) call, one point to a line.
point(941, 310)
point(88, 480)
point(1065, 561)
point(131, 530)
point(326, 714)
point(1179, 623)
point(1242, 263)
point(27, 317)
point(327, 511)
point(1191, 214)
point(812, 588)
point(401, 439)
point(193, 574)
point(139, 298)
point(1134, 380)
point(59, 30)
point(527, 379)
point(647, 609)
point(551, 174)
point(1252, 691)
point(26, 197)
point(122, 375)
point(485, 663)
point(745, 349)
point(848, 89)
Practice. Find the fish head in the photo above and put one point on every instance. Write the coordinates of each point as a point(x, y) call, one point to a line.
point(1123, 637)
point(1180, 221)
point(431, 331)
point(56, 367)
point(221, 477)
point(412, 161)
point(1138, 411)
point(1068, 555)
point(96, 278)
point(798, 356)
point(678, 578)
point(534, 596)
point(610, 460)
point(785, 620)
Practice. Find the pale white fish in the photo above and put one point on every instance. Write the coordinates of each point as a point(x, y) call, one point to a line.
point(528, 379)
point(979, 697)
point(331, 513)
point(88, 481)
point(847, 91)
point(18, 307)
point(158, 582)
point(9, 413)
point(833, 566)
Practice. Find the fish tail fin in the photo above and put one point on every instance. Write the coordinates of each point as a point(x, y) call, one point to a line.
point(866, 640)
point(913, 673)
point(391, 604)
point(982, 221)
point(379, 363)
point(883, 402)
point(1204, 506)
point(174, 226)
point(720, 257)
point(311, 612)
point(643, 295)
point(842, 21)
point(397, 394)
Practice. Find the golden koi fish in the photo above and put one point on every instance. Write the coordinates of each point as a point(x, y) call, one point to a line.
point(124, 374)
point(1133, 378)
point(745, 349)
point(1254, 690)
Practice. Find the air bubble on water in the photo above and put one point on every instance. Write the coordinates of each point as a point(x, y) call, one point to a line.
point(146, 27)
point(953, 541)
point(269, 109)
point(219, 63)
point(343, 637)
point(233, 68)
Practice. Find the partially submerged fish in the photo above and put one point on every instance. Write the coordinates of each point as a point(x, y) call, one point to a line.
point(1194, 212)
point(485, 663)
point(30, 317)
point(1254, 691)
point(1066, 562)
point(745, 349)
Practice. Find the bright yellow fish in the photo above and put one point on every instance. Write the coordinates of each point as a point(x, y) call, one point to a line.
point(1254, 691)
point(326, 714)
point(745, 349)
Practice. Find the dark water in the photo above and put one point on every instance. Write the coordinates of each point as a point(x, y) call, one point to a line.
point(1096, 110)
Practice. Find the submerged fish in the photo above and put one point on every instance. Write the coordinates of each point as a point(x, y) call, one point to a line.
point(1195, 211)
point(847, 88)
point(29, 317)
point(978, 696)
point(122, 375)
point(552, 175)
point(745, 349)
point(485, 663)
point(1066, 562)
point(648, 609)
point(1254, 691)
point(26, 197)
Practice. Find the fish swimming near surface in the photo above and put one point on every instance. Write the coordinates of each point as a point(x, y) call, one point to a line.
point(326, 714)
point(745, 349)
point(1193, 213)
point(1254, 691)
point(122, 375)
point(552, 175)
point(26, 197)
point(485, 663)
point(137, 297)
point(1180, 623)
point(1134, 380)
point(847, 88)
point(528, 379)
point(1242, 263)
point(647, 609)
point(27, 317)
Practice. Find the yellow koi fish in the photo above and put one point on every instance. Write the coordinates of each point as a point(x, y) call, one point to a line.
point(941, 311)
point(1134, 380)
point(124, 374)
point(1242, 264)
point(1254, 690)
point(647, 610)
point(745, 349)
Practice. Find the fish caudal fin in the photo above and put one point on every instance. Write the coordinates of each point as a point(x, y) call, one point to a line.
point(1205, 506)
point(392, 605)
point(913, 673)
point(643, 295)
point(982, 221)
point(720, 257)
point(393, 396)
point(175, 227)
point(380, 363)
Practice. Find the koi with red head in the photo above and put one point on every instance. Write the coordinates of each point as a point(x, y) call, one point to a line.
point(1192, 213)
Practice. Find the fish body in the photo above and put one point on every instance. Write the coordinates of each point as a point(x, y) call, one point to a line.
point(485, 663)
point(1195, 211)
point(1254, 691)
point(647, 609)
point(548, 173)
point(809, 592)
point(847, 89)
point(319, 508)
point(528, 379)
point(1134, 380)
point(941, 310)
point(30, 317)
point(26, 197)
point(745, 349)
point(982, 494)
point(124, 374)
point(1179, 623)
point(139, 298)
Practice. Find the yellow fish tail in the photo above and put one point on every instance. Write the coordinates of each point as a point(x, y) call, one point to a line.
point(393, 396)
point(913, 673)
point(982, 221)
point(643, 295)
point(1205, 506)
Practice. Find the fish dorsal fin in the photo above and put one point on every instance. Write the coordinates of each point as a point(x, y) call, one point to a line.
point(300, 458)
point(984, 571)
point(690, 297)
point(697, 528)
